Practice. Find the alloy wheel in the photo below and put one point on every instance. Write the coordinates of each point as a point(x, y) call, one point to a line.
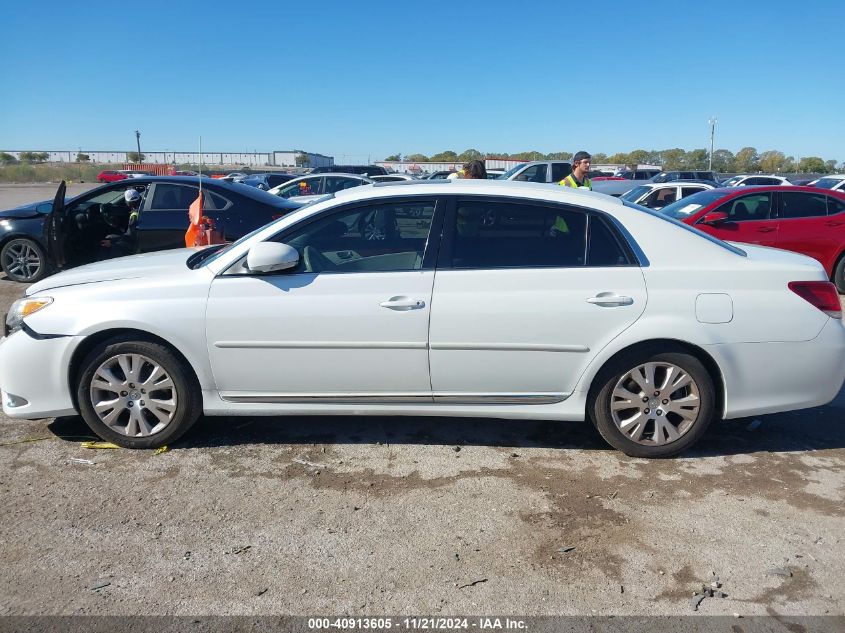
point(133, 395)
point(21, 260)
point(655, 403)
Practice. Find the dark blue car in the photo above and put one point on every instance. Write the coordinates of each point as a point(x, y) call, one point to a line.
point(43, 237)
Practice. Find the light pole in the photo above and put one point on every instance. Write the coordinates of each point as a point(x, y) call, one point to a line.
point(138, 141)
point(712, 121)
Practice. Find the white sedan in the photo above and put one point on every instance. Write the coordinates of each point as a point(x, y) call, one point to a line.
point(307, 189)
point(402, 300)
point(658, 195)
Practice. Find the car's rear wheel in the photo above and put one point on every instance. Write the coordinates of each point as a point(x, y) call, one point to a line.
point(839, 275)
point(137, 394)
point(653, 404)
point(23, 260)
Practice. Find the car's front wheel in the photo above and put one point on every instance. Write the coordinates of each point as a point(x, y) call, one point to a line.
point(23, 260)
point(653, 404)
point(137, 394)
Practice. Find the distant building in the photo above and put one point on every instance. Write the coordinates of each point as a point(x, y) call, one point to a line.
point(285, 158)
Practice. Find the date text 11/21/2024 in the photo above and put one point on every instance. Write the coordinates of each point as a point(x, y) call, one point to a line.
point(417, 624)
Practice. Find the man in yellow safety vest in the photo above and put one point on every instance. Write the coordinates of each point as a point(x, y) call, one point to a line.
point(580, 167)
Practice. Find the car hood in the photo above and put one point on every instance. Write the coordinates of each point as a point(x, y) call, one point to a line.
point(23, 211)
point(145, 265)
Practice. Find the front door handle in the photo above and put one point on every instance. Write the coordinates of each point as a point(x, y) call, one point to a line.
point(832, 223)
point(610, 299)
point(402, 303)
point(765, 229)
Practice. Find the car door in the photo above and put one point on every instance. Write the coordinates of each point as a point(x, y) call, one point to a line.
point(54, 235)
point(750, 220)
point(349, 324)
point(805, 226)
point(521, 306)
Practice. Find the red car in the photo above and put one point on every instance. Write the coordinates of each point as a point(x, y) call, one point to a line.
point(805, 220)
point(110, 175)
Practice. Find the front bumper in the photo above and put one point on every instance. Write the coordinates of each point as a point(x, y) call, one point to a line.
point(34, 375)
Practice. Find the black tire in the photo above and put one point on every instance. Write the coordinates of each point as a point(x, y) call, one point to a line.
point(185, 391)
point(839, 275)
point(23, 260)
point(601, 398)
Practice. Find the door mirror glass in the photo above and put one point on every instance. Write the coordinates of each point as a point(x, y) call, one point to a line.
point(268, 257)
point(715, 217)
point(44, 207)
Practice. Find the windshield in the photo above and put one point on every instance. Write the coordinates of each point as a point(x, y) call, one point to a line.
point(510, 172)
point(685, 207)
point(730, 182)
point(635, 193)
point(661, 177)
point(827, 183)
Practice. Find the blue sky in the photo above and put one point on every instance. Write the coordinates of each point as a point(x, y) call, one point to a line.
point(361, 81)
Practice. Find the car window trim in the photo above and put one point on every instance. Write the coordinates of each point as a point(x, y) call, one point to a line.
point(635, 256)
point(432, 243)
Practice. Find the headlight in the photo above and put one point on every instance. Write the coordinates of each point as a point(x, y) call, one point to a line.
point(22, 308)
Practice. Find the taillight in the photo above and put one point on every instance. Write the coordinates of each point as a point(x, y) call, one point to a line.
point(822, 294)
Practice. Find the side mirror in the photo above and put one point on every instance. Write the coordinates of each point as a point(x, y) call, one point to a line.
point(714, 217)
point(268, 257)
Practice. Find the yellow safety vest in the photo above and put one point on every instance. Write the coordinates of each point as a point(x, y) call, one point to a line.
point(570, 181)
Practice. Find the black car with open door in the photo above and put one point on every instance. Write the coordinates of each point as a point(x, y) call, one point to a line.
point(44, 237)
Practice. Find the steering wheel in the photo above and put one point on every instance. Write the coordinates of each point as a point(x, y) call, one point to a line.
point(315, 261)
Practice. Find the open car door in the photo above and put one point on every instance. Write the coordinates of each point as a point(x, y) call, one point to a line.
point(55, 239)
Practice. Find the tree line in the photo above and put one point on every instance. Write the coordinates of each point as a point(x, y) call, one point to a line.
point(746, 160)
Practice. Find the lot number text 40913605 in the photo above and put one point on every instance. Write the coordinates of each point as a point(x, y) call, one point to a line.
point(417, 624)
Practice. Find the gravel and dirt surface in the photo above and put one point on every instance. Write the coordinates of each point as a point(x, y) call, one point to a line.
point(360, 515)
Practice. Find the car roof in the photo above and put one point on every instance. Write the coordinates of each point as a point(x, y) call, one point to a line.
point(338, 173)
point(683, 181)
point(468, 186)
point(208, 183)
point(779, 189)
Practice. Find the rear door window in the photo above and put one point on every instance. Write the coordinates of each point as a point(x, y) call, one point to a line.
point(560, 171)
point(517, 235)
point(167, 197)
point(794, 204)
point(688, 191)
point(834, 206)
point(338, 183)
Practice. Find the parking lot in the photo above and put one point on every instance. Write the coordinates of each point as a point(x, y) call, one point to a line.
point(366, 515)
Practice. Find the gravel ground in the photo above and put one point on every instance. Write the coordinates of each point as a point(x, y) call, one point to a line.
point(406, 516)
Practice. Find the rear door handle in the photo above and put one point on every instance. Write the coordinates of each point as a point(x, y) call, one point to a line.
point(765, 229)
point(610, 299)
point(402, 303)
point(832, 223)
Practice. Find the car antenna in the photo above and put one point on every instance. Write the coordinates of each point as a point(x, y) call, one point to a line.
point(199, 174)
